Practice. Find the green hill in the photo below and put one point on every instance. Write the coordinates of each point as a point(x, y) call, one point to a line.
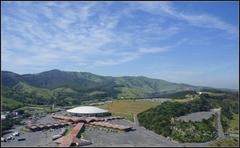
point(161, 119)
point(66, 88)
point(10, 104)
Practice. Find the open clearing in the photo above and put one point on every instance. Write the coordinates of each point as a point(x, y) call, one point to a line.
point(198, 116)
point(128, 108)
point(225, 142)
point(234, 123)
point(140, 137)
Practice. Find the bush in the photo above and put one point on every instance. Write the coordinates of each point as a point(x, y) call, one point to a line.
point(159, 118)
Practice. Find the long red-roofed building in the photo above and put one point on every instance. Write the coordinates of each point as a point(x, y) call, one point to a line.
point(67, 140)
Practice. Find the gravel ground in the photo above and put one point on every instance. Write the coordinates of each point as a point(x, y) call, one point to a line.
point(38, 138)
point(219, 125)
point(198, 116)
point(140, 137)
point(98, 136)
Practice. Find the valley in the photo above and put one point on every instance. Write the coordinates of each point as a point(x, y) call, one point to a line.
point(180, 114)
point(119, 74)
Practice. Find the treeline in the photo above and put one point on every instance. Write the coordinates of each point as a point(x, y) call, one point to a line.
point(10, 104)
point(176, 95)
point(40, 88)
point(229, 104)
point(159, 119)
point(31, 95)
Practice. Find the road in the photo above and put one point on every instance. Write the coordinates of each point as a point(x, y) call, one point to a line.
point(219, 125)
point(101, 137)
point(219, 130)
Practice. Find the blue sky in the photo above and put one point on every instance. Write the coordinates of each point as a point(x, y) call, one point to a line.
point(184, 42)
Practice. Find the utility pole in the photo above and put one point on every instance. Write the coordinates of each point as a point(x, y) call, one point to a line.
point(52, 107)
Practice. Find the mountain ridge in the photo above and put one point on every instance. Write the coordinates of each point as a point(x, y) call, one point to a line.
point(69, 87)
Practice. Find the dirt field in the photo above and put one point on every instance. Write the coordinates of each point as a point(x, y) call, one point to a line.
point(128, 108)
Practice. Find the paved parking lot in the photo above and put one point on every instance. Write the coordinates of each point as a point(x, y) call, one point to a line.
point(97, 135)
point(38, 138)
point(139, 137)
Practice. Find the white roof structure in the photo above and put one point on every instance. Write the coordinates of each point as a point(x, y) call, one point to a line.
point(87, 110)
point(3, 117)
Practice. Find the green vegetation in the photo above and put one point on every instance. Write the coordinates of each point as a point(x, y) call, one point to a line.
point(226, 142)
point(128, 108)
point(194, 131)
point(234, 124)
point(8, 123)
point(71, 88)
point(24, 130)
point(69, 129)
point(161, 118)
point(76, 88)
point(25, 93)
point(228, 103)
point(181, 94)
point(33, 93)
point(34, 109)
point(10, 104)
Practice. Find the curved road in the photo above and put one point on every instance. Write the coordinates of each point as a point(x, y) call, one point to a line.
point(219, 130)
point(219, 125)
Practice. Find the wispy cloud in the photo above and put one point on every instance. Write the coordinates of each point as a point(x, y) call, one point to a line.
point(90, 33)
point(207, 21)
point(52, 32)
point(153, 50)
point(200, 20)
point(118, 60)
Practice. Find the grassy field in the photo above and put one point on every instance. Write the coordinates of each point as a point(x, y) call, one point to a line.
point(183, 100)
point(234, 123)
point(128, 108)
point(10, 104)
point(33, 109)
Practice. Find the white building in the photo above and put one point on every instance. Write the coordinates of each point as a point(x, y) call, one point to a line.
point(87, 111)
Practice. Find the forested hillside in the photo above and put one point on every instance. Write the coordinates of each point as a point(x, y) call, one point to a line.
point(161, 118)
point(67, 88)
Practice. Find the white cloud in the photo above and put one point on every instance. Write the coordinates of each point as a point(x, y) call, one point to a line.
point(153, 50)
point(154, 7)
point(208, 21)
point(49, 33)
point(121, 58)
point(200, 20)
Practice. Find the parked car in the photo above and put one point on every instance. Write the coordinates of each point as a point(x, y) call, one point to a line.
point(10, 138)
point(21, 139)
point(16, 133)
point(54, 137)
point(3, 139)
point(85, 142)
point(62, 133)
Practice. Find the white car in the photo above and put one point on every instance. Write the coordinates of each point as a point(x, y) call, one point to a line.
point(3, 139)
point(15, 134)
